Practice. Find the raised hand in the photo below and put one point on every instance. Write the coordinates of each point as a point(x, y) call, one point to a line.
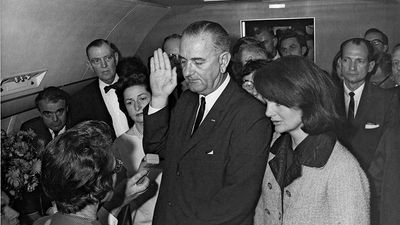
point(162, 79)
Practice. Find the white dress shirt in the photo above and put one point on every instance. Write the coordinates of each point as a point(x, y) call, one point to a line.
point(210, 99)
point(119, 120)
point(357, 97)
point(53, 135)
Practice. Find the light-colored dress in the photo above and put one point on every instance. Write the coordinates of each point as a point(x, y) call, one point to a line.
point(129, 149)
point(337, 193)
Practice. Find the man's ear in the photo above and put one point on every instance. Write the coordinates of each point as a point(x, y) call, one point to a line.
point(116, 56)
point(385, 48)
point(303, 50)
point(224, 59)
point(275, 41)
point(89, 64)
point(371, 66)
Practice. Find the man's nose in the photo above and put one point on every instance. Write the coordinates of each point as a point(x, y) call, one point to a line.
point(103, 63)
point(54, 117)
point(353, 65)
point(187, 69)
point(137, 106)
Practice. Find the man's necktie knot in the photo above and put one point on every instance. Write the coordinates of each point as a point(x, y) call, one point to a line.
point(109, 87)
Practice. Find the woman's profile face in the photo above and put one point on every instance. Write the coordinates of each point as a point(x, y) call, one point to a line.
point(135, 99)
point(285, 119)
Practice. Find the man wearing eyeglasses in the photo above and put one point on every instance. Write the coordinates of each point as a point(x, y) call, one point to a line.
point(378, 40)
point(98, 100)
point(52, 104)
point(270, 41)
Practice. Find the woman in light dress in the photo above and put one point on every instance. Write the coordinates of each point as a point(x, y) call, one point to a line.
point(310, 177)
point(134, 94)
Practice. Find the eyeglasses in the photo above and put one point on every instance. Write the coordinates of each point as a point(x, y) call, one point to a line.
point(97, 61)
point(57, 113)
point(248, 85)
point(376, 42)
point(118, 166)
point(174, 57)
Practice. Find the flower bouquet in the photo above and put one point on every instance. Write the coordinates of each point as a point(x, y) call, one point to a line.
point(20, 162)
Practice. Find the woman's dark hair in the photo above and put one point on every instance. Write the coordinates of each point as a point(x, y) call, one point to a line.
point(125, 82)
point(77, 166)
point(252, 66)
point(295, 81)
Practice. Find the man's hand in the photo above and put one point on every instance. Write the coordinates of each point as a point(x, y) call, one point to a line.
point(126, 191)
point(162, 79)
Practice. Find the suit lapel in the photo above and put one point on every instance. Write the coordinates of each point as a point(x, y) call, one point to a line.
point(364, 104)
point(213, 117)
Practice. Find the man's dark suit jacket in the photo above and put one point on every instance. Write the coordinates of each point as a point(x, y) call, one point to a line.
point(385, 175)
point(40, 129)
point(214, 176)
point(376, 110)
point(88, 104)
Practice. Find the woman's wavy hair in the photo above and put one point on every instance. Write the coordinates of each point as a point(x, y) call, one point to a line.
point(123, 83)
point(296, 82)
point(77, 166)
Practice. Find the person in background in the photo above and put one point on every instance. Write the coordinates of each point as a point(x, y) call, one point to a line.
point(128, 65)
point(235, 65)
point(133, 95)
point(249, 52)
point(396, 64)
point(171, 46)
point(97, 100)
point(382, 73)
point(267, 37)
point(368, 109)
point(248, 77)
point(378, 40)
point(52, 104)
point(79, 173)
point(310, 177)
point(214, 141)
point(292, 43)
point(310, 47)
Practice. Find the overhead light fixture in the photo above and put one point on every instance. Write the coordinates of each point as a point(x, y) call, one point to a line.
point(277, 6)
point(22, 82)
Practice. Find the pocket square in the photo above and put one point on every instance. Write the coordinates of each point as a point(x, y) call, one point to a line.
point(371, 126)
point(210, 152)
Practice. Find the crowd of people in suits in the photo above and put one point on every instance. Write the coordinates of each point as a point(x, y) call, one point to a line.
point(254, 134)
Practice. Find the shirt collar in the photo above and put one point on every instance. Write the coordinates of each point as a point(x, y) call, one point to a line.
point(59, 132)
point(102, 84)
point(357, 92)
point(213, 96)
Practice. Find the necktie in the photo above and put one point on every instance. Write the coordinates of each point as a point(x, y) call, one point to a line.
point(55, 133)
point(109, 87)
point(350, 112)
point(200, 114)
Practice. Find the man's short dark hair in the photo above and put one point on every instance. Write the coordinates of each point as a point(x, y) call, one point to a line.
point(129, 81)
point(77, 166)
point(52, 94)
point(360, 41)
point(172, 36)
point(99, 43)
point(220, 35)
point(293, 34)
point(385, 39)
point(295, 81)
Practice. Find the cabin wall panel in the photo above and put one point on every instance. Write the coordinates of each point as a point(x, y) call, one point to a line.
point(335, 22)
